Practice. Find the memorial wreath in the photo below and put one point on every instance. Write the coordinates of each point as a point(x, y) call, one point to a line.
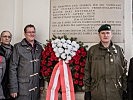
point(73, 53)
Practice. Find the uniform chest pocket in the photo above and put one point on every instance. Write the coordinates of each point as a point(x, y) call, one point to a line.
point(97, 58)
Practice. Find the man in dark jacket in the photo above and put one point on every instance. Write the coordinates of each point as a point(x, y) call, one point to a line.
point(105, 70)
point(25, 82)
point(2, 71)
point(130, 80)
point(6, 49)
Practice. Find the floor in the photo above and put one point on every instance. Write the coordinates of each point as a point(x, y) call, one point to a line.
point(78, 95)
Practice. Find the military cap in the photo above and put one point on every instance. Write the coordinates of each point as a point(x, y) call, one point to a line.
point(104, 27)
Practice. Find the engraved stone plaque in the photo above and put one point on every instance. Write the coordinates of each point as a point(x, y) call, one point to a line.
point(82, 18)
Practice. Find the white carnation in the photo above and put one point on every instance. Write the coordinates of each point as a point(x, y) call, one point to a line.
point(59, 44)
point(56, 40)
point(69, 47)
point(74, 43)
point(63, 40)
point(67, 51)
point(69, 57)
point(65, 45)
point(68, 41)
point(57, 54)
point(53, 45)
point(55, 49)
point(73, 54)
point(60, 50)
point(77, 46)
point(63, 56)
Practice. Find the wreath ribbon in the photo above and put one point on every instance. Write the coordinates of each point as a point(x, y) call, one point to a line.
point(61, 77)
point(0, 59)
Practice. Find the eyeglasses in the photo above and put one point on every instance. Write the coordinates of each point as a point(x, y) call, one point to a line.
point(6, 37)
point(31, 32)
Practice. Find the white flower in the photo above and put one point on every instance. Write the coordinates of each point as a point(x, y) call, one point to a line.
point(73, 43)
point(68, 41)
point(65, 45)
point(60, 50)
point(63, 40)
point(77, 46)
point(69, 57)
point(56, 40)
point(55, 49)
point(72, 53)
point(65, 49)
point(59, 44)
point(57, 54)
point(53, 45)
point(63, 56)
point(69, 47)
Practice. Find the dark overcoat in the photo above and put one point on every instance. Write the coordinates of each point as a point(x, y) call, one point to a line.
point(130, 80)
point(24, 70)
point(7, 51)
point(2, 71)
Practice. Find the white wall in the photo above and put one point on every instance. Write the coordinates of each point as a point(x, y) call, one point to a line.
point(6, 15)
point(15, 14)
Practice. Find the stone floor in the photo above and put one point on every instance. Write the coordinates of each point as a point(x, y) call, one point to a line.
point(78, 95)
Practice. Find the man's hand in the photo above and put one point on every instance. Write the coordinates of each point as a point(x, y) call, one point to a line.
point(14, 95)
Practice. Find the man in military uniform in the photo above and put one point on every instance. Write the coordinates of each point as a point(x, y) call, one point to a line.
point(105, 70)
point(25, 82)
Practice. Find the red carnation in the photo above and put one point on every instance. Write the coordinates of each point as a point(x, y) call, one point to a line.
point(81, 83)
point(81, 76)
point(49, 63)
point(82, 70)
point(76, 82)
point(44, 68)
point(82, 64)
point(78, 52)
point(43, 62)
point(76, 61)
point(76, 75)
point(46, 73)
point(84, 54)
point(77, 67)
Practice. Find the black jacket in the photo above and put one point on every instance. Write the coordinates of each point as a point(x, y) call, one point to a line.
point(2, 52)
point(6, 51)
point(130, 80)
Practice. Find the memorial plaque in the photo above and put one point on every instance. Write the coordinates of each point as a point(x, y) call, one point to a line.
point(82, 18)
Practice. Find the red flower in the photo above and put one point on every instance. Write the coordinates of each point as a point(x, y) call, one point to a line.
point(81, 76)
point(77, 67)
point(81, 83)
point(84, 54)
point(82, 63)
point(76, 75)
point(46, 73)
point(76, 82)
point(82, 70)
